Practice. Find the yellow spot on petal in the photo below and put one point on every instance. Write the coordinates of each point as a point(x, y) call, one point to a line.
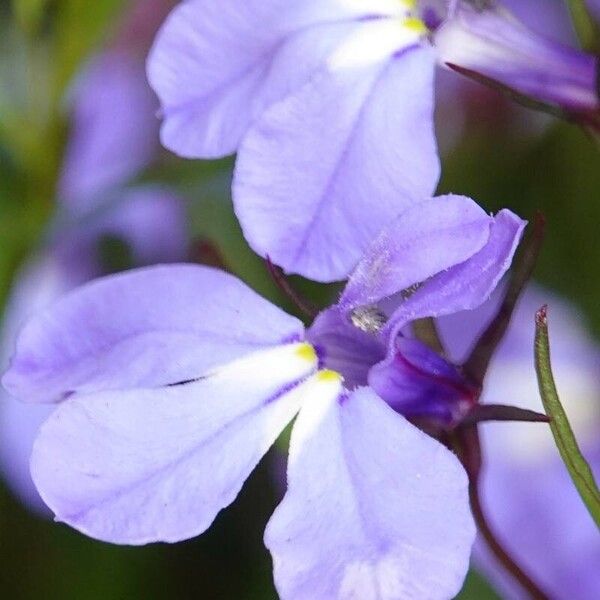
point(409, 3)
point(307, 352)
point(415, 24)
point(329, 375)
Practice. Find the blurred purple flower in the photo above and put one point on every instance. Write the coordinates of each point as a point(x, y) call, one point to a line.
point(594, 6)
point(170, 400)
point(152, 222)
point(113, 135)
point(531, 501)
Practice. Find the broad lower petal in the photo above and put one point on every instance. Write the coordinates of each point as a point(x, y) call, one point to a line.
point(425, 239)
point(212, 62)
point(375, 509)
point(468, 284)
point(145, 327)
point(316, 179)
point(158, 464)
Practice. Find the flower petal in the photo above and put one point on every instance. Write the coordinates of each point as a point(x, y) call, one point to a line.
point(417, 382)
point(493, 43)
point(113, 135)
point(146, 327)
point(375, 508)
point(316, 179)
point(213, 61)
point(468, 284)
point(425, 239)
point(158, 464)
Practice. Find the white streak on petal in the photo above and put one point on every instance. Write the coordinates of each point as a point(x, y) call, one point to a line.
point(146, 465)
point(375, 509)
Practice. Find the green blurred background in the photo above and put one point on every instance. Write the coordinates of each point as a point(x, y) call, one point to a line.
point(502, 156)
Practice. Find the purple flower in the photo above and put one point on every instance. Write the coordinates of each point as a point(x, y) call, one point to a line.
point(112, 138)
point(530, 499)
point(491, 42)
point(113, 132)
point(176, 380)
point(152, 222)
point(329, 104)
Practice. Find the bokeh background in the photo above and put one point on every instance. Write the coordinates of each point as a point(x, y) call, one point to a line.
point(496, 152)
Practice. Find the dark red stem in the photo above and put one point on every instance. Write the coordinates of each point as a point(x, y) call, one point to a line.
point(303, 305)
point(469, 450)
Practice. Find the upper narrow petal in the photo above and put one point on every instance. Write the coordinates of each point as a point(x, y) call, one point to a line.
point(467, 285)
point(425, 239)
point(320, 173)
point(145, 327)
point(375, 509)
point(158, 464)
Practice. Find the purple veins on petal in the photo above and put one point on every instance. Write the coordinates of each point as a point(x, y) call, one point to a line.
point(306, 92)
point(330, 136)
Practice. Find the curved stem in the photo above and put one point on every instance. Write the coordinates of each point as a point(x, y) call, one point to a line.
point(467, 445)
point(498, 549)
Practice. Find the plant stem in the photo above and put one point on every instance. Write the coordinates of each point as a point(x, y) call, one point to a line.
point(468, 445)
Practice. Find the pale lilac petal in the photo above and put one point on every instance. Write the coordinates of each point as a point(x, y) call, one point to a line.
point(212, 62)
point(417, 382)
point(158, 464)
point(19, 426)
point(38, 284)
point(492, 43)
point(543, 524)
point(113, 132)
point(425, 239)
point(345, 348)
point(375, 509)
point(316, 179)
point(468, 284)
point(549, 18)
point(145, 327)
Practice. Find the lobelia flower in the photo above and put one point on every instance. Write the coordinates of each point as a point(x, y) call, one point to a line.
point(329, 105)
point(112, 138)
point(529, 497)
point(464, 107)
point(170, 399)
point(487, 40)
